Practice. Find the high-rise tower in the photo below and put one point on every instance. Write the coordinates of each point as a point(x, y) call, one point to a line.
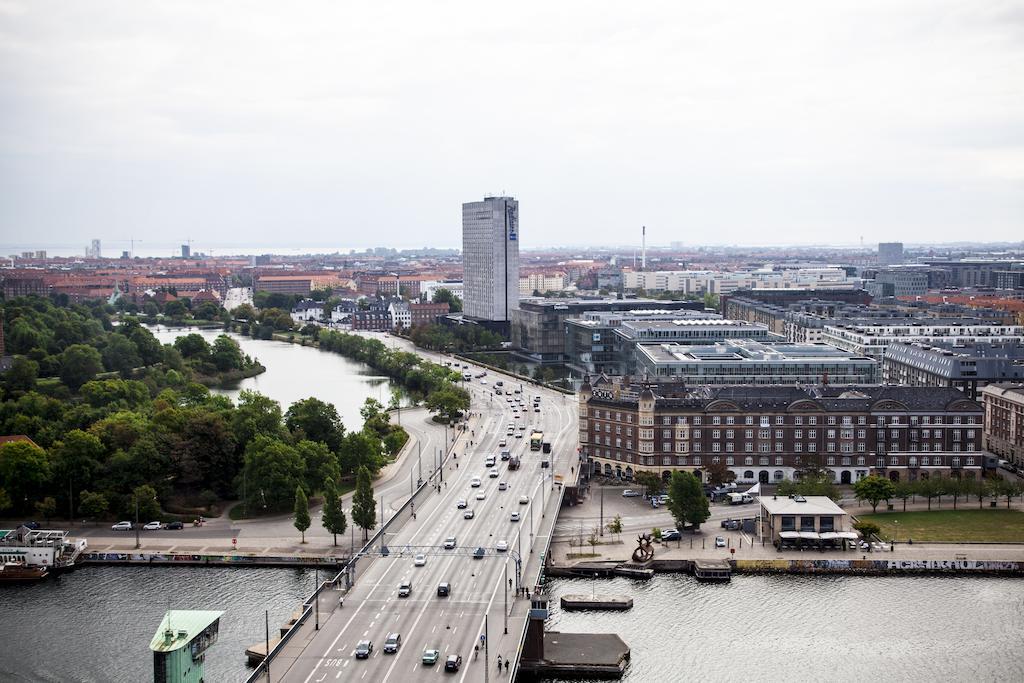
point(490, 258)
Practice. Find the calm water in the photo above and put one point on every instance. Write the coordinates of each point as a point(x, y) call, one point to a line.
point(95, 623)
point(835, 628)
point(296, 372)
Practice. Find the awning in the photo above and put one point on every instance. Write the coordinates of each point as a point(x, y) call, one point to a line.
point(789, 534)
point(754, 490)
point(850, 535)
point(828, 535)
point(810, 535)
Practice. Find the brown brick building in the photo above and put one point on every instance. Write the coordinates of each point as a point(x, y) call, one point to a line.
point(1004, 421)
point(427, 313)
point(770, 433)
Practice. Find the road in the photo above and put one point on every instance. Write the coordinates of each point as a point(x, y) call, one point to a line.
point(452, 625)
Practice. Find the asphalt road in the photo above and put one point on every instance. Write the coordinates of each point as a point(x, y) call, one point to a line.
point(372, 609)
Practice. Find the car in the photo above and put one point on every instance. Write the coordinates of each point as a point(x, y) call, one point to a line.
point(545, 464)
point(122, 526)
point(468, 514)
point(522, 427)
point(719, 541)
point(493, 474)
point(405, 589)
point(489, 461)
point(392, 643)
point(481, 496)
point(30, 525)
point(153, 526)
point(479, 553)
point(419, 560)
point(671, 535)
point(536, 410)
point(505, 455)
point(430, 657)
point(175, 526)
point(453, 663)
point(483, 381)
point(502, 486)
point(364, 649)
point(630, 493)
point(517, 391)
point(499, 383)
point(502, 444)
point(515, 517)
point(519, 435)
point(501, 546)
point(475, 482)
point(444, 589)
point(461, 504)
point(510, 426)
point(450, 543)
point(524, 500)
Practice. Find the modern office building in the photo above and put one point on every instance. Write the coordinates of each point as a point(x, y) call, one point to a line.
point(744, 361)
point(890, 253)
point(490, 260)
point(770, 433)
point(727, 282)
point(967, 367)
point(898, 281)
point(1004, 421)
point(872, 339)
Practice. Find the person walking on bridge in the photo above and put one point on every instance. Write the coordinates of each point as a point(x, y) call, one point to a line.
point(499, 664)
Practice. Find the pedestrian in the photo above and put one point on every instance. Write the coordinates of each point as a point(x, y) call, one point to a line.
point(510, 584)
point(506, 666)
point(499, 664)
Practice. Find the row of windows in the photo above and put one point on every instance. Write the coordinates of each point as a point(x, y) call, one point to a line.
point(880, 462)
point(768, 420)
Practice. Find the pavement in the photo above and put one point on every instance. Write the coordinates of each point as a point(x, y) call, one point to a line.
point(481, 598)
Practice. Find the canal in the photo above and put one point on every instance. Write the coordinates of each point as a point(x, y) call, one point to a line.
point(295, 372)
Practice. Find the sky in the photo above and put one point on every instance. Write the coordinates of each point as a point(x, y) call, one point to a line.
point(355, 124)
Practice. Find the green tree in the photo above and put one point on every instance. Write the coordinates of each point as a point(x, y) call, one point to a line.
point(321, 464)
point(334, 519)
point(903, 490)
point(364, 507)
point(615, 526)
point(227, 354)
point(814, 482)
point(22, 375)
point(272, 471)
point(718, 473)
point(148, 505)
point(93, 505)
point(79, 363)
point(24, 471)
point(301, 512)
point(448, 402)
point(192, 346)
point(686, 500)
point(150, 350)
point(360, 449)
point(315, 420)
point(442, 296)
point(874, 489)
point(5, 501)
point(650, 481)
point(47, 508)
point(928, 488)
point(867, 529)
point(256, 415)
point(120, 355)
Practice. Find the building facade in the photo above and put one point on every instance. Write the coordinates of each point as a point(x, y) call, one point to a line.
point(872, 339)
point(769, 434)
point(490, 258)
point(1004, 421)
point(426, 313)
point(890, 253)
point(967, 367)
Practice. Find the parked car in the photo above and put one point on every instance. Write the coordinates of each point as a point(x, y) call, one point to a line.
point(405, 589)
point(122, 526)
point(501, 546)
point(392, 643)
point(444, 589)
point(364, 649)
point(630, 493)
point(419, 560)
point(450, 543)
point(453, 663)
point(430, 657)
point(671, 535)
point(175, 526)
point(153, 526)
point(719, 541)
point(515, 517)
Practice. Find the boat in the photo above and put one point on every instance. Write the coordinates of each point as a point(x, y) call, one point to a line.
point(712, 570)
point(34, 549)
point(19, 571)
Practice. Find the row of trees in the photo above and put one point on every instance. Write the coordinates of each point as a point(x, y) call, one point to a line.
point(363, 510)
point(875, 489)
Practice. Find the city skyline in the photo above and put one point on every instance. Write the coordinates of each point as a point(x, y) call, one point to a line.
point(809, 125)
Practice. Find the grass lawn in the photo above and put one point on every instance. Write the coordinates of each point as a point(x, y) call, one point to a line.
point(952, 526)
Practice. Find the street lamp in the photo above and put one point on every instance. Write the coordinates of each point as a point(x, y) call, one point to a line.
point(895, 531)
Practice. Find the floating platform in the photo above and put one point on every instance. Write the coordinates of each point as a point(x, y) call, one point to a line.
point(596, 602)
point(254, 654)
point(632, 572)
point(579, 655)
point(712, 570)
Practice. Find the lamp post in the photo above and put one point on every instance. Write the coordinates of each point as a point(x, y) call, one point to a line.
point(316, 596)
point(895, 531)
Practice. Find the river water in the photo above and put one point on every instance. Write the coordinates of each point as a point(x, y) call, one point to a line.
point(807, 628)
point(295, 372)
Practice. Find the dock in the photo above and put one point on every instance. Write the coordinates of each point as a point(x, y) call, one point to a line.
point(634, 571)
point(712, 570)
point(596, 602)
point(254, 654)
point(579, 655)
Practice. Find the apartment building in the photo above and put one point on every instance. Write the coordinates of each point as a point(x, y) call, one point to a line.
point(872, 339)
point(967, 367)
point(1004, 421)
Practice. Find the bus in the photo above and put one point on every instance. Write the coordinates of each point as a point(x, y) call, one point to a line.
point(536, 439)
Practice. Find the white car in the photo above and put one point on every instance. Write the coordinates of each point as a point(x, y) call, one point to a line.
point(481, 495)
point(515, 517)
point(419, 560)
point(122, 526)
point(475, 482)
point(153, 526)
point(483, 381)
point(450, 543)
point(502, 443)
point(630, 493)
point(501, 546)
point(719, 542)
point(523, 500)
point(502, 486)
point(519, 435)
point(493, 474)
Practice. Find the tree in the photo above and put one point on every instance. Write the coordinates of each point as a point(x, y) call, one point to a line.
point(686, 500)
point(24, 471)
point(903, 490)
point(148, 506)
point(364, 507)
point(315, 420)
point(257, 414)
point(334, 519)
point(928, 488)
point(867, 529)
point(120, 355)
point(301, 512)
point(272, 470)
point(93, 505)
point(47, 508)
point(192, 346)
point(448, 402)
point(650, 481)
point(79, 363)
point(813, 483)
point(718, 473)
point(615, 526)
point(227, 354)
point(874, 489)
point(22, 374)
point(443, 295)
point(321, 464)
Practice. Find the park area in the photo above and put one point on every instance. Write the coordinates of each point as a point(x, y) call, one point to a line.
point(951, 526)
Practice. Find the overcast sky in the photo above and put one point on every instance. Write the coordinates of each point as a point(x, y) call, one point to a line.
point(350, 124)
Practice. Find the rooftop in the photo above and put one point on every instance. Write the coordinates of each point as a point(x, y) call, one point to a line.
point(184, 625)
point(800, 505)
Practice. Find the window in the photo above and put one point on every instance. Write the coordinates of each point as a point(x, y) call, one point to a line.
point(812, 433)
point(730, 460)
point(730, 447)
point(788, 523)
point(969, 461)
point(954, 461)
point(765, 421)
point(666, 433)
point(728, 433)
point(618, 429)
point(831, 434)
point(778, 459)
point(893, 461)
point(716, 420)
point(762, 460)
point(730, 420)
point(798, 448)
point(696, 433)
point(798, 434)
point(764, 434)
point(826, 524)
point(696, 460)
point(778, 433)
point(681, 420)
point(779, 419)
point(696, 419)
point(748, 460)
point(831, 460)
point(750, 433)
point(807, 523)
point(667, 446)
point(716, 447)
point(715, 460)
point(696, 448)
point(860, 460)
point(763, 447)
point(716, 433)
point(666, 420)
point(748, 447)
point(748, 420)
point(812, 448)
point(778, 447)
point(798, 420)
point(831, 419)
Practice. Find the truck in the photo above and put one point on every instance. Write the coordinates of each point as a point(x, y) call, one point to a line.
point(536, 439)
point(739, 499)
point(513, 463)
